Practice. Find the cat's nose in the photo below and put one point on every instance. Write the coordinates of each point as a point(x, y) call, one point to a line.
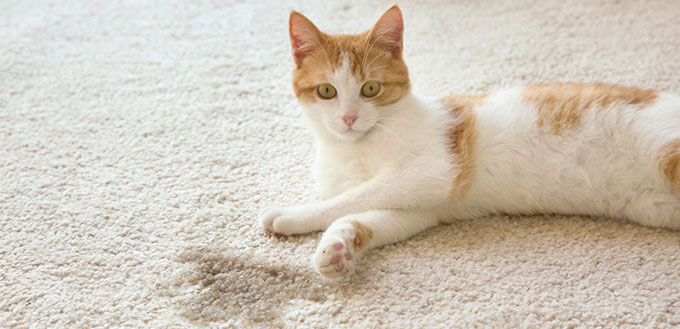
point(349, 119)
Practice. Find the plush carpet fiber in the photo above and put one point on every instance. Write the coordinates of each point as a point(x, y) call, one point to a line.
point(139, 140)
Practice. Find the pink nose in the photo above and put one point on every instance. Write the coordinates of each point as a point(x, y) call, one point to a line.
point(349, 119)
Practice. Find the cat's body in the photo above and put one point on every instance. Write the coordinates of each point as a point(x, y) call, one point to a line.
point(609, 161)
point(391, 164)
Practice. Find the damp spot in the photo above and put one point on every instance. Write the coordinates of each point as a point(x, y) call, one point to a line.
point(223, 285)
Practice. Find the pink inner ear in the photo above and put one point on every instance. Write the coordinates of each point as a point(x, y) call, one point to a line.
point(300, 51)
point(304, 36)
point(388, 31)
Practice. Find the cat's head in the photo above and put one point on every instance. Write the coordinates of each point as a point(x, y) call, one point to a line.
point(346, 82)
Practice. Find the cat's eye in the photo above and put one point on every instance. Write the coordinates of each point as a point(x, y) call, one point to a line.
point(326, 91)
point(370, 88)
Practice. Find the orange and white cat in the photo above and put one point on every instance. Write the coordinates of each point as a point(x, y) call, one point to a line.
point(392, 164)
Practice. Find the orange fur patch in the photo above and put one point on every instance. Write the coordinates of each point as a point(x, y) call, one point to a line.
point(463, 137)
point(560, 106)
point(669, 162)
point(363, 234)
point(367, 61)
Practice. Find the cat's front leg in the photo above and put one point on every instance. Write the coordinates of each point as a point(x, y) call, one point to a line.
point(405, 189)
point(348, 237)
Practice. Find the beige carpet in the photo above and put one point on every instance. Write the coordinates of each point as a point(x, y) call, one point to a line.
point(139, 140)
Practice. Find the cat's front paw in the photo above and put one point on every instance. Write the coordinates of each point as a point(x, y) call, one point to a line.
point(337, 252)
point(268, 216)
point(288, 220)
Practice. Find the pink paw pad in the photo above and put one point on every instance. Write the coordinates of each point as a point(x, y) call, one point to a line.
point(335, 259)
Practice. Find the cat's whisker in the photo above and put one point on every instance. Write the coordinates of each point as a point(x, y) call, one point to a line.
point(369, 46)
point(328, 61)
point(368, 50)
point(369, 69)
point(395, 135)
point(377, 68)
point(368, 39)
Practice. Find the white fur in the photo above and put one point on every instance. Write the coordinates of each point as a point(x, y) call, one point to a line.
point(607, 165)
point(395, 173)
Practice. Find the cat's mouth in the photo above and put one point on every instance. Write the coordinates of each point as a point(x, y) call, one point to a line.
point(353, 133)
point(350, 133)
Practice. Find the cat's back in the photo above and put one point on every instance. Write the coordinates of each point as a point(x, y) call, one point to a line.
point(571, 148)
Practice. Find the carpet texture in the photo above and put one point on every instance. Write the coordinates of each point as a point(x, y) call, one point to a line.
point(140, 139)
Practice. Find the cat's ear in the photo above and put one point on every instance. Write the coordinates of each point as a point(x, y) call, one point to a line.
point(388, 32)
point(304, 36)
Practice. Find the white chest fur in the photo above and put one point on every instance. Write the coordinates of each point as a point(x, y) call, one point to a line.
point(412, 139)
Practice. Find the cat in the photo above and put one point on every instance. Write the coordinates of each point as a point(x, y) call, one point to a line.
point(392, 164)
